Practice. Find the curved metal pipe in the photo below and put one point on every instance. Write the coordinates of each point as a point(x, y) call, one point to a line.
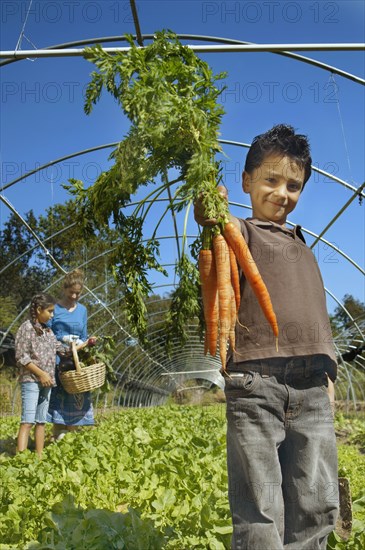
point(114, 144)
point(57, 161)
point(220, 40)
point(226, 48)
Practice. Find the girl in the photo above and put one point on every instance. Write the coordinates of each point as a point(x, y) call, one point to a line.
point(35, 351)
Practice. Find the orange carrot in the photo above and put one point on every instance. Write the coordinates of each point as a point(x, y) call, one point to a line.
point(235, 278)
point(222, 263)
point(240, 248)
point(208, 279)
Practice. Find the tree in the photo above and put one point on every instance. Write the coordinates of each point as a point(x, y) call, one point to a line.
point(68, 245)
point(7, 309)
point(22, 273)
point(340, 319)
point(25, 267)
point(62, 236)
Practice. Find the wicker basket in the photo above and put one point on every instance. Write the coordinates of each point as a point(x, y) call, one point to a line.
point(83, 378)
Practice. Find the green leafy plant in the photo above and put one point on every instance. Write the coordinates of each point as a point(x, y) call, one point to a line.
point(170, 98)
point(158, 472)
point(75, 527)
point(184, 303)
point(357, 539)
point(174, 480)
point(103, 351)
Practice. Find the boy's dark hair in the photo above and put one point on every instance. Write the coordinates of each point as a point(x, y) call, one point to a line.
point(280, 139)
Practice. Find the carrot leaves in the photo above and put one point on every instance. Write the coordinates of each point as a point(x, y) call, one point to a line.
point(132, 260)
point(169, 96)
point(185, 303)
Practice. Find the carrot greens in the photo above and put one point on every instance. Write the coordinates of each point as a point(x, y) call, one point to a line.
point(170, 98)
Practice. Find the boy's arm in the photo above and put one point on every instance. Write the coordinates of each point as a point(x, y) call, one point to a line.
point(331, 393)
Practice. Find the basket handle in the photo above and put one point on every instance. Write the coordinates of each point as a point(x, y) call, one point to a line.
point(75, 357)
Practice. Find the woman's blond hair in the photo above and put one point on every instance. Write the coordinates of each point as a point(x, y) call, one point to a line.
point(75, 277)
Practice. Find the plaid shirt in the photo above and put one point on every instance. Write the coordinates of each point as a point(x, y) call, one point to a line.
point(38, 349)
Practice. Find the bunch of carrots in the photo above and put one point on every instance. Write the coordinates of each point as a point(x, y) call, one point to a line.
point(223, 251)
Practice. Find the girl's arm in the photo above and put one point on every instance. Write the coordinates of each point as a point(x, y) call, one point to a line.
point(23, 354)
point(60, 347)
point(23, 344)
point(43, 377)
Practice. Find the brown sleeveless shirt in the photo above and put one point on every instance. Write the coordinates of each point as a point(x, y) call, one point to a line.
point(291, 274)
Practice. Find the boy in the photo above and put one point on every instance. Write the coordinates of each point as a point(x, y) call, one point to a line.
point(281, 448)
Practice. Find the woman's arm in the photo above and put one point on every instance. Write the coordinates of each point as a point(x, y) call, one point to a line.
point(83, 334)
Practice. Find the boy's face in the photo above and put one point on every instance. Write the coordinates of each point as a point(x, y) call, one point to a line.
point(274, 188)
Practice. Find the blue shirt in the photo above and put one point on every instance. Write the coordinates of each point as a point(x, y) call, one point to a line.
point(66, 323)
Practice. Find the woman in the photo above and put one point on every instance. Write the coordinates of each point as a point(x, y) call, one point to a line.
point(69, 323)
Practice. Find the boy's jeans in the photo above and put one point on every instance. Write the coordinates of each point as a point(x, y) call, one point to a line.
point(281, 453)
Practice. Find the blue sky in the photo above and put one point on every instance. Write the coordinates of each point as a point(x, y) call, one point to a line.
point(43, 118)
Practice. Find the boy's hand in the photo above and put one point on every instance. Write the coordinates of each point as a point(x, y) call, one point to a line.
point(45, 380)
point(199, 214)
